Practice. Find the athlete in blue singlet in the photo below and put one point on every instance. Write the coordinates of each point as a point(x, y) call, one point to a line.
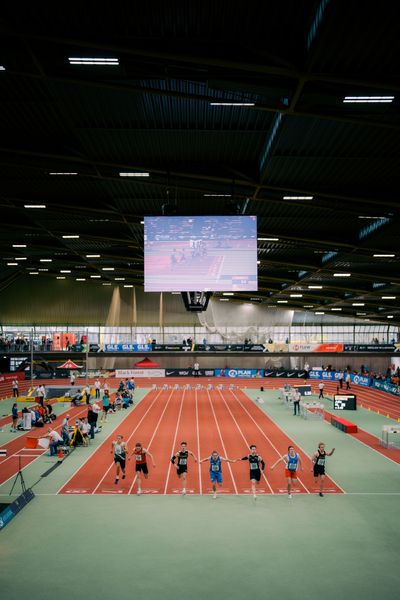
point(216, 469)
point(292, 461)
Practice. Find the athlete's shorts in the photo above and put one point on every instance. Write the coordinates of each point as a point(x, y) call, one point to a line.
point(181, 469)
point(255, 474)
point(142, 467)
point(318, 470)
point(216, 476)
point(106, 408)
point(290, 474)
point(121, 461)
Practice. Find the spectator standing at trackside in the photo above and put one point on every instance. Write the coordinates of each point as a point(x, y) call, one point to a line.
point(92, 420)
point(41, 394)
point(321, 386)
point(196, 368)
point(348, 378)
point(296, 403)
point(65, 430)
point(14, 416)
point(97, 410)
point(72, 378)
point(15, 388)
point(307, 370)
point(340, 379)
point(97, 387)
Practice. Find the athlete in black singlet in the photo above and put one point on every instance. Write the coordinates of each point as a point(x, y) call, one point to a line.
point(181, 458)
point(257, 465)
point(318, 460)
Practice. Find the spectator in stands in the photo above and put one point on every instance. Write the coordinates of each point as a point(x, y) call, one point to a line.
point(55, 441)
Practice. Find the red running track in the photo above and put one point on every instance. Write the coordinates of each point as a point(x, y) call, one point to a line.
point(206, 420)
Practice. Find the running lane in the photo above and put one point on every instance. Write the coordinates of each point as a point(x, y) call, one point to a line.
point(276, 442)
point(186, 431)
point(159, 441)
point(236, 443)
point(210, 439)
point(97, 472)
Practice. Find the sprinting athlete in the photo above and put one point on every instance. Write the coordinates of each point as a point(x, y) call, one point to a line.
point(141, 455)
point(318, 460)
point(292, 461)
point(256, 466)
point(216, 469)
point(182, 464)
point(119, 448)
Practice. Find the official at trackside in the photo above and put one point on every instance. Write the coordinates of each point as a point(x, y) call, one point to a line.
point(321, 386)
point(15, 388)
point(296, 403)
point(340, 379)
point(196, 368)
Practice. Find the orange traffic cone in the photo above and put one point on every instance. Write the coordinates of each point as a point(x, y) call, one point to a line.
point(61, 455)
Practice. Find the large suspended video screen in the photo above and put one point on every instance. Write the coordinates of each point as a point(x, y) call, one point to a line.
point(204, 254)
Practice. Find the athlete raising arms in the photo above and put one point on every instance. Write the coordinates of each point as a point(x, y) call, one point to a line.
point(256, 466)
point(318, 460)
point(141, 455)
point(119, 448)
point(292, 461)
point(182, 463)
point(216, 469)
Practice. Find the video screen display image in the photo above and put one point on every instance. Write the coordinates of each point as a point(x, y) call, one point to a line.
point(202, 253)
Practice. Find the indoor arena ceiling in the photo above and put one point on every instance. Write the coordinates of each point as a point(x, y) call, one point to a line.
point(320, 173)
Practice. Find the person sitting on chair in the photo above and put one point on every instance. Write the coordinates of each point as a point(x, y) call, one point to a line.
point(77, 399)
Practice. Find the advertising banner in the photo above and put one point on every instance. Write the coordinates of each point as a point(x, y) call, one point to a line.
point(148, 373)
point(10, 376)
point(385, 386)
point(128, 347)
point(333, 347)
point(369, 348)
point(246, 373)
point(188, 372)
point(171, 348)
point(285, 373)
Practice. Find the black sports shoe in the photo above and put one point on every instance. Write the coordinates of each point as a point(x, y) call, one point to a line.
point(123, 476)
point(116, 480)
point(321, 494)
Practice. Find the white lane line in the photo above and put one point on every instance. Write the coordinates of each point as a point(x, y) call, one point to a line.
point(222, 441)
point(198, 442)
point(266, 437)
point(298, 445)
point(174, 442)
point(245, 440)
point(153, 436)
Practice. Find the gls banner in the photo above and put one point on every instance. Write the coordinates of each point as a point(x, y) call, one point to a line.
point(334, 376)
point(188, 372)
point(245, 373)
point(128, 347)
point(285, 373)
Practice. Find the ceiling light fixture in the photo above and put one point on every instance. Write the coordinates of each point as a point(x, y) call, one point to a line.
point(34, 273)
point(232, 103)
point(65, 271)
point(319, 312)
point(58, 173)
point(93, 255)
point(342, 274)
point(20, 258)
point(60, 277)
point(46, 260)
point(388, 297)
point(282, 301)
point(298, 197)
point(12, 264)
point(315, 287)
point(308, 306)
point(224, 299)
point(42, 269)
point(108, 269)
point(389, 317)
point(19, 245)
point(358, 303)
point(34, 206)
point(137, 174)
point(128, 286)
point(70, 237)
point(268, 239)
point(227, 293)
point(383, 255)
point(217, 195)
point(92, 60)
point(296, 295)
point(95, 277)
point(106, 283)
point(120, 279)
point(367, 99)
point(80, 279)
point(337, 309)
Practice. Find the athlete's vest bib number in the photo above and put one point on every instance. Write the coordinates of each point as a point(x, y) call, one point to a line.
point(182, 461)
point(321, 462)
point(214, 468)
point(292, 466)
point(138, 457)
point(254, 466)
